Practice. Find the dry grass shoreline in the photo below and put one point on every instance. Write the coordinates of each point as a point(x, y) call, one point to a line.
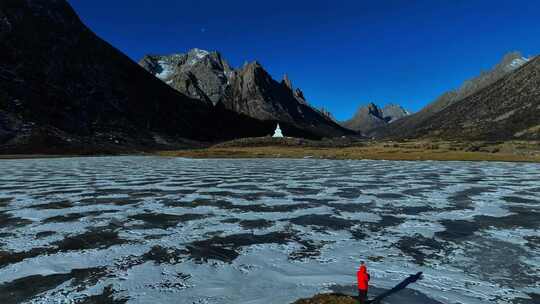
point(414, 150)
point(346, 154)
point(406, 151)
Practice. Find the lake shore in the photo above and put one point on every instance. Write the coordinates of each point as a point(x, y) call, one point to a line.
point(343, 149)
point(348, 153)
point(372, 150)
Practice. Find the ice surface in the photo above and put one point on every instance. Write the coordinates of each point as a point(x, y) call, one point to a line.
point(172, 230)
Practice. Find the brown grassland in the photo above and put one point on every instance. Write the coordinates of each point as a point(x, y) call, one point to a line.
point(405, 150)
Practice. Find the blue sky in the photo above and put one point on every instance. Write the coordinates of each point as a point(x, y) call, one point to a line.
point(342, 54)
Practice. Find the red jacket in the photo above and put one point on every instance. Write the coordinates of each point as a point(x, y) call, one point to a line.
point(363, 278)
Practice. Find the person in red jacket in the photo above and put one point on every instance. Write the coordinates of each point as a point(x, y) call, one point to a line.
point(363, 283)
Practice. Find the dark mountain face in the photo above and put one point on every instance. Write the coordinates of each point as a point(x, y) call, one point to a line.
point(506, 109)
point(371, 117)
point(250, 91)
point(406, 127)
point(63, 85)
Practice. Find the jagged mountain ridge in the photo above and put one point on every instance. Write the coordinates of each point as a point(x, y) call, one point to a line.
point(508, 109)
point(249, 90)
point(405, 127)
point(64, 86)
point(199, 74)
point(371, 116)
point(255, 93)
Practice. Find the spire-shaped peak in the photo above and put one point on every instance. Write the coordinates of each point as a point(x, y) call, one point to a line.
point(287, 82)
point(374, 109)
point(253, 68)
point(370, 109)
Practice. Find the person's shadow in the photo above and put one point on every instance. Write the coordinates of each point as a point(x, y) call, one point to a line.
point(411, 279)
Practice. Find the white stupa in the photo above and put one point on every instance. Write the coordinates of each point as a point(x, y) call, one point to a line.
point(277, 132)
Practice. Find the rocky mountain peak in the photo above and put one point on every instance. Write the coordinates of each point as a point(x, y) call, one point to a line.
point(371, 116)
point(287, 82)
point(212, 60)
point(253, 73)
point(198, 53)
point(250, 63)
point(249, 90)
point(200, 74)
point(255, 93)
point(392, 112)
point(511, 61)
point(371, 109)
point(250, 68)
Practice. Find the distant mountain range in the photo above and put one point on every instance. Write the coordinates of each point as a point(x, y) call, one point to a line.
point(249, 90)
point(64, 89)
point(371, 117)
point(502, 103)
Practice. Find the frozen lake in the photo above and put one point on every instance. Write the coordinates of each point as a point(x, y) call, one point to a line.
point(170, 230)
